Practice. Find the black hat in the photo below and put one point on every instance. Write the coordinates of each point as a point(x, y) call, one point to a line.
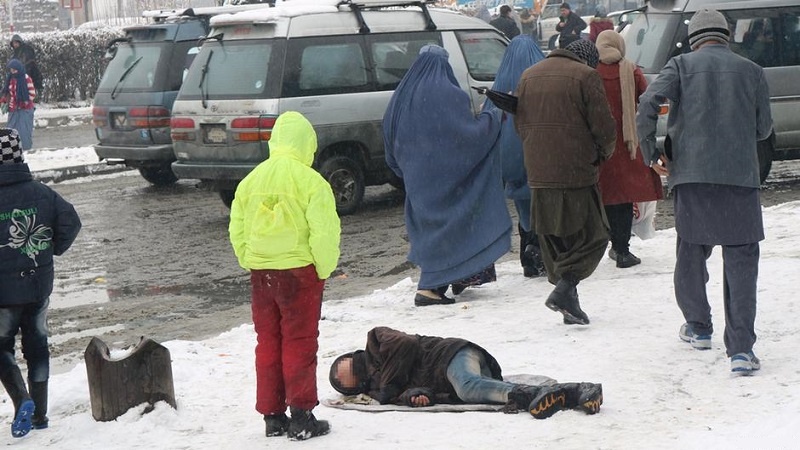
point(565, 5)
point(359, 371)
point(9, 147)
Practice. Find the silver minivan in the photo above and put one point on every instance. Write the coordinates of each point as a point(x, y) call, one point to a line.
point(337, 63)
point(764, 31)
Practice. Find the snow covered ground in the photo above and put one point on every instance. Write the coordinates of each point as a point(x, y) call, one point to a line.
point(659, 392)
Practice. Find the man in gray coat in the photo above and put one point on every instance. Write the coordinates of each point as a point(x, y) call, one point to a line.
point(720, 109)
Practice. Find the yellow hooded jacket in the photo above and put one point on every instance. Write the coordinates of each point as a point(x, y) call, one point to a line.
point(284, 214)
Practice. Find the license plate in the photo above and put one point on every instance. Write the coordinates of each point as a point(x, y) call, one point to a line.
point(216, 134)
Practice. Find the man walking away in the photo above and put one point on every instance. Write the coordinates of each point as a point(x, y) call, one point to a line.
point(720, 110)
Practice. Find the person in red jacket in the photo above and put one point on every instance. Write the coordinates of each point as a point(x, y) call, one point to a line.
point(599, 23)
point(624, 178)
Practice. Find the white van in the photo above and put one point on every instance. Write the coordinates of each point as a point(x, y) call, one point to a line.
point(337, 63)
point(764, 31)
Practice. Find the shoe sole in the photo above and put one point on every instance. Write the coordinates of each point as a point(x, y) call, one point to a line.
point(305, 435)
point(697, 344)
point(744, 367)
point(592, 405)
point(548, 405)
point(22, 422)
point(569, 318)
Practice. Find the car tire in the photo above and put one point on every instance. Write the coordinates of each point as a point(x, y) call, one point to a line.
point(158, 175)
point(765, 149)
point(226, 195)
point(347, 182)
point(397, 182)
point(551, 43)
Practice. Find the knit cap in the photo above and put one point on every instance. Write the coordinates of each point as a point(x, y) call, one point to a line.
point(707, 25)
point(585, 50)
point(10, 150)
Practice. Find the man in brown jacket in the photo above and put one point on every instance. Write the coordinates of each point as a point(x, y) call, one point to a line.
point(419, 371)
point(567, 129)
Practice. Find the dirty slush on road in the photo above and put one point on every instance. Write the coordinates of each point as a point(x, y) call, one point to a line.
point(157, 263)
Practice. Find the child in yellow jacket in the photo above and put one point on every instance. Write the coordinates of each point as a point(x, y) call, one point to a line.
point(284, 229)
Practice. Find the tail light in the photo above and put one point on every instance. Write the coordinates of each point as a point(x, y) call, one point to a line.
point(100, 117)
point(149, 117)
point(252, 129)
point(182, 129)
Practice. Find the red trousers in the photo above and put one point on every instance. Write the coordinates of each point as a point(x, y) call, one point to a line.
point(286, 311)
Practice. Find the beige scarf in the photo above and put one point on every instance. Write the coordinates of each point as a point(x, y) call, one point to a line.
point(611, 47)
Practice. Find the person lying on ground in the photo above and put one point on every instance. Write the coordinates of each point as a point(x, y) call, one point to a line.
point(419, 371)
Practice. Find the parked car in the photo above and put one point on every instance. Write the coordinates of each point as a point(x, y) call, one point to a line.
point(337, 65)
point(764, 31)
point(133, 103)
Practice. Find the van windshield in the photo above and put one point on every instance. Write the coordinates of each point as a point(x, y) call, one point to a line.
point(230, 70)
point(650, 41)
point(134, 68)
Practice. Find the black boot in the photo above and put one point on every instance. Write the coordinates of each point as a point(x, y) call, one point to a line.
point(564, 299)
point(586, 397)
point(39, 395)
point(541, 401)
point(303, 425)
point(23, 405)
point(530, 255)
point(276, 424)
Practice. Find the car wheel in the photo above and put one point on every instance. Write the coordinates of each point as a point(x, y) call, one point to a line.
point(765, 149)
point(158, 175)
point(226, 195)
point(347, 182)
point(397, 182)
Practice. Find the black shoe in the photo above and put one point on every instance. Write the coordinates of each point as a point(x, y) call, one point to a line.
point(551, 399)
point(38, 391)
point(422, 300)
point(612, 254)
point(303, 425)
point(564, 299)
point(628, 259)
point(532, 265)
point(520, 398)
point(586, 397)
point(457, 288)
point(276, 424)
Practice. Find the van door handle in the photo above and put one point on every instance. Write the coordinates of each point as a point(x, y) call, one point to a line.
point(310, 103)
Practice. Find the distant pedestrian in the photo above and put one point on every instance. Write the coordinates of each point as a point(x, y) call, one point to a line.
point(624, 178)
point(521, 53)
point(567, 130)
point(17, 97)
point(285, 231)
point(24, 52)
point(569, 26)
point(35, 224)
point(505, 23)
point(455, 213)
point(720, 109)
point(599, 23)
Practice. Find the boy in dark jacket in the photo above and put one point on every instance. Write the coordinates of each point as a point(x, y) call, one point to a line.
point(418, 371)
point(35, 224)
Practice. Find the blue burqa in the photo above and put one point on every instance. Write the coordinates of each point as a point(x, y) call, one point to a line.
point(521, 53)
point(455, 211)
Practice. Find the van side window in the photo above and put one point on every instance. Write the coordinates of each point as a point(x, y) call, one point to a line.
point(770, 37)
point(338, 66)
point(393, 54)
point(483, 51)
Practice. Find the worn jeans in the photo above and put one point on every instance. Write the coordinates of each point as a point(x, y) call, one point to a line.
point(472, 380)
point(32, 320)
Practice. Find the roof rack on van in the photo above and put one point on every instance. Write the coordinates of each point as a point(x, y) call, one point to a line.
point(358, 5)
point(160, 15)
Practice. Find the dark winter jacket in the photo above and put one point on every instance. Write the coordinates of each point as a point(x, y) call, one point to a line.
point(564, 121)
point(570, 29)
point(506, 25)
point(397, 361)
point(27, 55)
point(35, 224)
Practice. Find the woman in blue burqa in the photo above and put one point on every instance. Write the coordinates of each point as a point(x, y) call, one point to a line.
point(457, 221)
point(520, 54)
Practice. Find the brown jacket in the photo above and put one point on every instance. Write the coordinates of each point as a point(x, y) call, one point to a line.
point(564, 121)
point(398, 361)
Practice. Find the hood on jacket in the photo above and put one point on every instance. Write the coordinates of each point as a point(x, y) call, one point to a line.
point(16, 38)
point(293, 136)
